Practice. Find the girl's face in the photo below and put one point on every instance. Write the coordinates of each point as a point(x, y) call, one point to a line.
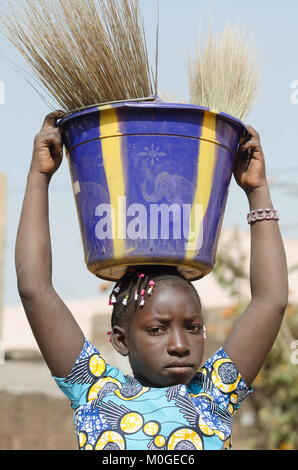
point(165, 340)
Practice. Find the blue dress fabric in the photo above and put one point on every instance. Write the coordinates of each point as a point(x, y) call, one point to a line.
point(114, 411)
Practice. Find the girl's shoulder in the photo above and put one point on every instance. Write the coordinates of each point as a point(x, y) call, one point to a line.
point(220, 380)
point(89, 369)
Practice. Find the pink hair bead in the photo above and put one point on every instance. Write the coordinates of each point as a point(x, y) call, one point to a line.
point(142, 298)
point(151, 284)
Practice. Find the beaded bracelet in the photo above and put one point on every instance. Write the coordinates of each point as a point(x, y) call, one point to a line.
point(262, 214)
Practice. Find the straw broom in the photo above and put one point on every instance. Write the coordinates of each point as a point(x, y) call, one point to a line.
point(224, 74)
point(81, 52)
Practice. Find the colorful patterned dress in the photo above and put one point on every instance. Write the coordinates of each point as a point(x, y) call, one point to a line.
point(114, 411)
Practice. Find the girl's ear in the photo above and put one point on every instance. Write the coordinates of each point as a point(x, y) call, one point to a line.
point(119, 340)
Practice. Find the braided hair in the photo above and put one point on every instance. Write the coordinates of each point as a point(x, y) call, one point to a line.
point(130, 291)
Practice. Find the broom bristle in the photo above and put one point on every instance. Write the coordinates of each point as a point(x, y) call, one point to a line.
point(225, 74)
point(81, 52)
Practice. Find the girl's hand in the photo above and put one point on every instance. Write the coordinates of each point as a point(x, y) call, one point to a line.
point(48, 147)
point(249, 169)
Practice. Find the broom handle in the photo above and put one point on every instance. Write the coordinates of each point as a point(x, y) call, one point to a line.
point(156, 52)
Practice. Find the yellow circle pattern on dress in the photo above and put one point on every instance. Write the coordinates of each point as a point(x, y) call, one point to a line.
point(216, 379)
point(97, 365)
point(185, 434)
point(94, 390)
point(220, 434)
point(118, 393)
point(131, 423)
point(110, 437)
point(202, 395)
point(151, 428)
point(88, 447)
point(159, 441)
point(231, 408)
point(233, 398)
point(82, 439)
point(205, 428)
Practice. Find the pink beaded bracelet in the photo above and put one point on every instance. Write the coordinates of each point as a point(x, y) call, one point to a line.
point(262, 214)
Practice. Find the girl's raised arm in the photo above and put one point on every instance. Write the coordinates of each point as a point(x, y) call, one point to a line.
point(255, 332)
point(59, 337)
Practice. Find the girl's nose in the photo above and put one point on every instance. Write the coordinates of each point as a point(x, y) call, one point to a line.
point(178, 343)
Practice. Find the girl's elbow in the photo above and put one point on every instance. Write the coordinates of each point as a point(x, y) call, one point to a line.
point(280, 304)
point(284, 305)
point(270, 303)
point(284, 299)
point(280, 299)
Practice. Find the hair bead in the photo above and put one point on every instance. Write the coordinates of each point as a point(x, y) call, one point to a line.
point(140, 278)
point(124, 301)
point(142, 298)
point(131, 272)
point(112, 298)
point(137, 283)
point(117, 288)
point(151, 287)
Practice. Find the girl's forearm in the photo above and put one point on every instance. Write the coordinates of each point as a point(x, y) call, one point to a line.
point(33, 255)
point(268, 269)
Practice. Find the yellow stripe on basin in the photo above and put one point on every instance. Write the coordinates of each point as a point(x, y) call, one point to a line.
point(206, 163)
point(110, 136)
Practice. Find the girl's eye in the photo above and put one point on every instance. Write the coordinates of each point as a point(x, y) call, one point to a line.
point(155, 330)
point(195, 328)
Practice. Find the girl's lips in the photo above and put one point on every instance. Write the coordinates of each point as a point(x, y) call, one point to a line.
point(178, 364)
point(179, 368)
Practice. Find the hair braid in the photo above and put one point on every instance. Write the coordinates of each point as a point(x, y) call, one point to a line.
point(138, 282)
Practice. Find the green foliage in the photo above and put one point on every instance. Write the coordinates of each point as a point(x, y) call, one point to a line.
point(275, 398)
point(277, 389)
point(229, 268)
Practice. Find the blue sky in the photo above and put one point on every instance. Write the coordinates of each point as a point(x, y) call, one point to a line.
point(274, 116)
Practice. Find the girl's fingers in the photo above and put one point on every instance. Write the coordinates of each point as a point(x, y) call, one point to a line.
point(253, 132)
point(251, 143)
point(52, 139)
point(51, 136)
point(57, 149)
point(50, 119)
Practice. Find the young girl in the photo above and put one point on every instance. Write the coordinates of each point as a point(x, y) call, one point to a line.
point(171, 402)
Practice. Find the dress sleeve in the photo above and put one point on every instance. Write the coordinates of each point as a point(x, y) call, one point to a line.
point(226, 385)
point(88, 369)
